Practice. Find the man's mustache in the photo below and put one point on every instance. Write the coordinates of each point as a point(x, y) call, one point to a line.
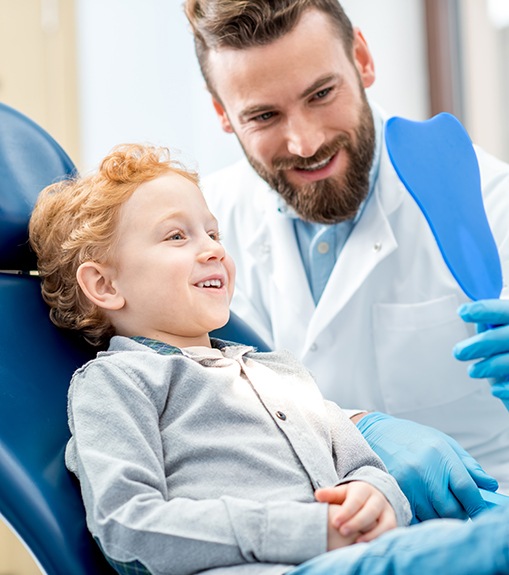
point(341, 142)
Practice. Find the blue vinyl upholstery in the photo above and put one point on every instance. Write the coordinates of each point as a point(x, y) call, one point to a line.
point(38, 497)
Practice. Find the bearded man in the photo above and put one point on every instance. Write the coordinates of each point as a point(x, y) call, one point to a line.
point(335, 260)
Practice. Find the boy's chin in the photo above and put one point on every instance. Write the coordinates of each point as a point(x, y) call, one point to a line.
point(220, 321)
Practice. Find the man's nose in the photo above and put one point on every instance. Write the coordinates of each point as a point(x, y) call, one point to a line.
point(304, 137)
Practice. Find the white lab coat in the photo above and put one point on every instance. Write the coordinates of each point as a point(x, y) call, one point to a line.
point(382, 334)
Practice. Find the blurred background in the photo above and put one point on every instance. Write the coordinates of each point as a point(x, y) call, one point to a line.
point(98, 72)
point(95, 73)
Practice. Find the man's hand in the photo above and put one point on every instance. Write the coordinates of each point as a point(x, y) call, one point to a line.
point(357, 511)
point(490, 345)
point(439, 478)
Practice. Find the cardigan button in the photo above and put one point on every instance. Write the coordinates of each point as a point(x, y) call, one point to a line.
point(281, 415)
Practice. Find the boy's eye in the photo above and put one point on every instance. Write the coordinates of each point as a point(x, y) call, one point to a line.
point(216, 236)
point(175, 236)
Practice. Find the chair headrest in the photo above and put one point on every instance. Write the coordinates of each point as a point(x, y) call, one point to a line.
point(30, 159)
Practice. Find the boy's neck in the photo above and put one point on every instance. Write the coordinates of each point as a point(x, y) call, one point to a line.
point(173, 340)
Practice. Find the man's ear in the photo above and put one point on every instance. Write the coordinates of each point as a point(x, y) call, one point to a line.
point(96, 282)
point(363, 59)
point(222, 115)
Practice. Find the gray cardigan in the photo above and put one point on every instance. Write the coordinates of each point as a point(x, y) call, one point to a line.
point(188, 464)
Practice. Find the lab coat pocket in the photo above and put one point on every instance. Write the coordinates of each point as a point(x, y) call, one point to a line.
point(413, 348)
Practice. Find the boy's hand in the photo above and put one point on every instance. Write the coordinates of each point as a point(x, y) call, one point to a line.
point(360, 512)
point(334, 538)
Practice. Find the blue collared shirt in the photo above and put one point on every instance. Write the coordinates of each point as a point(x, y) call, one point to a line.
point(321, 244)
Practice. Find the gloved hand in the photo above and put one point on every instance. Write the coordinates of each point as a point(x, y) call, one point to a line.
point(439, 478)
point(491, 345)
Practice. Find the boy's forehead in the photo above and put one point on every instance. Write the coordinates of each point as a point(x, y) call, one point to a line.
point(168, 185)
point(162, 197)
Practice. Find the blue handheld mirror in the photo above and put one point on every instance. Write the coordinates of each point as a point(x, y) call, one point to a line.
point(436, 161)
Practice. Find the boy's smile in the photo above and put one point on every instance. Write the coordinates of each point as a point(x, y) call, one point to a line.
point(168, 267)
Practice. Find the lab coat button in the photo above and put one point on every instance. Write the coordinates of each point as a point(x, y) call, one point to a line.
point(281, 415)
point(377, 247)
point(313, 347)
point(323, 248)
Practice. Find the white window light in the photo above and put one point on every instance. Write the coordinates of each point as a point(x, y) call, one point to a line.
point(499, 13)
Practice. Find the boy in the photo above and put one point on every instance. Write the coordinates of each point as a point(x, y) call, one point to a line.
point(192, 453)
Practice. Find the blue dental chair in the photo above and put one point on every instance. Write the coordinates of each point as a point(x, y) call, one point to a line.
point(39, 499)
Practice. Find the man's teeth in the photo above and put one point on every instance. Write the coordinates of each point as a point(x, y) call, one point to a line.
point(318, 166)
point(210, 283)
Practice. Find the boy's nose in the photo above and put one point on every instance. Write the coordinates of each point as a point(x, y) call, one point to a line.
point(212, 249)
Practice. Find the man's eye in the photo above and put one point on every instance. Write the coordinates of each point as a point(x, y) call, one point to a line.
point(264, 117)
point(322, 93)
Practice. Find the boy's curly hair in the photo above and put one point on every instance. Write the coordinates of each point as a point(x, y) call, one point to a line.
point(75, 221)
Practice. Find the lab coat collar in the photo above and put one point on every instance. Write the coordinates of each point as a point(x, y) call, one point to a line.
point(371, 241)
point(274, 248)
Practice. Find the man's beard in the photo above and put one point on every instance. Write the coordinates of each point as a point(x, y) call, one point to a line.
point(333, 199)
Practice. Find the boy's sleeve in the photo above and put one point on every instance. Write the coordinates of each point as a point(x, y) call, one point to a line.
point(355, 460)
point(117, 453)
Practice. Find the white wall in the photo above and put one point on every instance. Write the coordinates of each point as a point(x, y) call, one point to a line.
point(486, 73)
point(139, 80)
point(396, 35)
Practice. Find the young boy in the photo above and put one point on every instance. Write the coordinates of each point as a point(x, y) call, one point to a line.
point(192, 453)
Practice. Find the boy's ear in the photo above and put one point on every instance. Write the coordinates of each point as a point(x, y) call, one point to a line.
point(96, 282)
point(222, 115)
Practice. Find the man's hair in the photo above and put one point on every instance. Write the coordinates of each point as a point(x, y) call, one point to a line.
point(75, 221)
point(240, 24)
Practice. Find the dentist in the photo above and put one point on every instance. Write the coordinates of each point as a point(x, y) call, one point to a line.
point(335, 260)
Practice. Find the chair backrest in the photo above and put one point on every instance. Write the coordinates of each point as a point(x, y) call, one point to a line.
point(38, 497)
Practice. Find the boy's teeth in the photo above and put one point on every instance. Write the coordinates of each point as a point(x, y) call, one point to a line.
point(210, 283)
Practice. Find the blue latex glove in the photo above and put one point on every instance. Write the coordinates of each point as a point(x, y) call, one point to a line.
point(490, 345)
point(439, 478)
